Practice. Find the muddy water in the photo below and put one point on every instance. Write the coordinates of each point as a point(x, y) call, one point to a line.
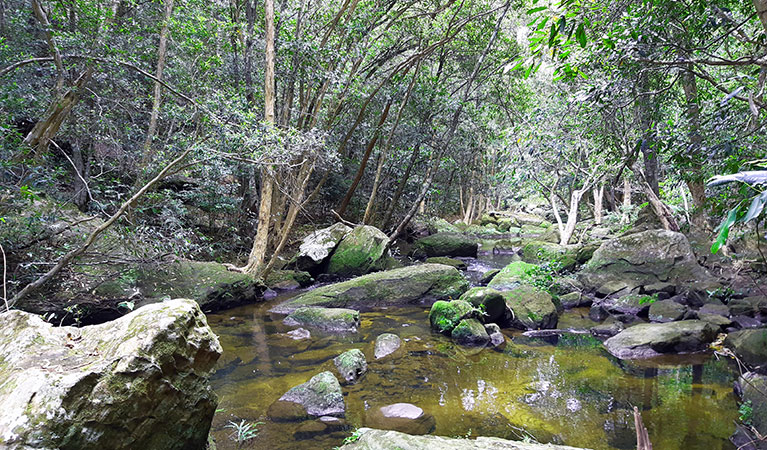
point(566, 390)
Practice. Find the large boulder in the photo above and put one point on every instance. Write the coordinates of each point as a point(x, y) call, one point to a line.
point(667, 311)
point(320, 396)
point(652, 339)
point(325, 319)
point(317, 247)
point(656, 256)
point(470, 332)
point(452, 262)
point(511, 276)
point(445, 244)
point(488, 301)
point(370, 439)
point(444, 316)
point(540, 252)
point(407, 285)
point(140, 381)
point(752, 387)
point(351, 364)
point(288, 279)
point(362, 251)
point(749, 345)
point(531, 308)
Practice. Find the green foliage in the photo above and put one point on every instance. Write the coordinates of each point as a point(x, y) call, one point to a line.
point(243, 431)
point(746, 412)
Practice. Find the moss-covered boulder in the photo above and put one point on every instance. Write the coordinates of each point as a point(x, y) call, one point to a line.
point(325, 319)
point(749, 345)
point(362, 251)
point(444, 316)
point(407, 285)
point(445, 244)
point(640, 259)
point(488, 301)
point(63, 387)
point(647, 340)
point(320, 396)
point(633, 304)
point(440, 225)
point(511, 276)
point(351, 364)
point(457, 263)
point(540, 252)
point(505, 224)
point(488, 219)
point(531, 308)
point(288, 279)
point(752, 387)
point(470, 332)
point(488, 276)
point(317, 247)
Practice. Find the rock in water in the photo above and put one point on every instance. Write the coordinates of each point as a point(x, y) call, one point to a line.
point(470, 332)
point(386, 344)
point(403, 417)
point(362, 251)
point(531, 308)
point(316, 247)
point(351, 364)
point(445, 244)
point(140, 381)
point(749, 345)
point(652, 339)
point(325, 319)
point(320, 396)
point(370, 439)
point(488, 301)
point(407, 285)
point(641, 259)
point(444, 316)
point(511, 276)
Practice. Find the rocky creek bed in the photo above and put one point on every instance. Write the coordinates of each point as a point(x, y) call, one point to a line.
point(560, 389)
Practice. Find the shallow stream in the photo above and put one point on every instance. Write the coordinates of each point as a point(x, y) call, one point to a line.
point(565, 390)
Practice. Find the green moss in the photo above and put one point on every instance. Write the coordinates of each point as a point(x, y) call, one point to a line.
point(444, 316)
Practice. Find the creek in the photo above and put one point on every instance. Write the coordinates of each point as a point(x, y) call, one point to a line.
point(564, 389)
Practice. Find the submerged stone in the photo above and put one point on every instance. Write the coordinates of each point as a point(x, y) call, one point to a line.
point(386, 344)
point(64, 387)
point(470, 332)
point(404, 417)
point(407, 285)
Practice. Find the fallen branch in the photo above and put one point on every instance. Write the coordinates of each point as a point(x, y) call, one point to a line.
point(643, 438)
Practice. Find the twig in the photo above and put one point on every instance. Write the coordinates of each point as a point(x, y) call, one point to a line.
point(5, 293)
point(643, 438)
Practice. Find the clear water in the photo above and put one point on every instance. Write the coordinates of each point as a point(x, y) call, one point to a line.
point(566, 390)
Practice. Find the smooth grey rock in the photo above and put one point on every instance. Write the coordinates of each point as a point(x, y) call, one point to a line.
point(316, 247)
point(666, 311)
point(652, 339)
point(749, 345)
point(299, 334)
point(404, 417)
point(370, 439)
point(386, 344)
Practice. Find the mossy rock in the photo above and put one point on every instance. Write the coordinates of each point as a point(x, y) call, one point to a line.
point(666, 311)
point(320, 396)
point(488, 301)
point(444, 316)
point(288, 279)
point(749, 345)
point(531, 308)
point(440, 225)
point(351, 364)
point(445, 244)
point(407, 285)
point(457, 263)
point(505, 224)
point(511, 276)
point(325, 319)
point(362, 251)
point(647, 340)
point(316, 248)
point(470, 332)
point(488, 219)
point(539, 252)
point(489, 275)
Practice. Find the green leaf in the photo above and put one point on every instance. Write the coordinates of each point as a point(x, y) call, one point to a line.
point(553, 34)
point(580, 34)
point(724, 229)
point(757, 205)
point(535, 10)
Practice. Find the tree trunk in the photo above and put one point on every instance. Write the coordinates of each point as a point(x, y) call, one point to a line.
point(261, 240)
point(695, 178)
point(421, 196)
point(401, 187)
point(761, 11)
point(572, 216)
point(364, 162)
point(626, 199)
point(82, 168)
point(599, 193)
point(647, 144)
point(162, 51)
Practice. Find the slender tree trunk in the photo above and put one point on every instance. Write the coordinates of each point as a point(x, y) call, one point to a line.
point(761, 11)
point(469, 206)
point(647, 144)
point(162, 51)
point(599, 193)
point(250, 16)
point(261, 240)
point(572, 216)
point(401, 187)
point(425, 186)
point(695, 178)
point(626, 199)
point(364, 162)
point(81, 165)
